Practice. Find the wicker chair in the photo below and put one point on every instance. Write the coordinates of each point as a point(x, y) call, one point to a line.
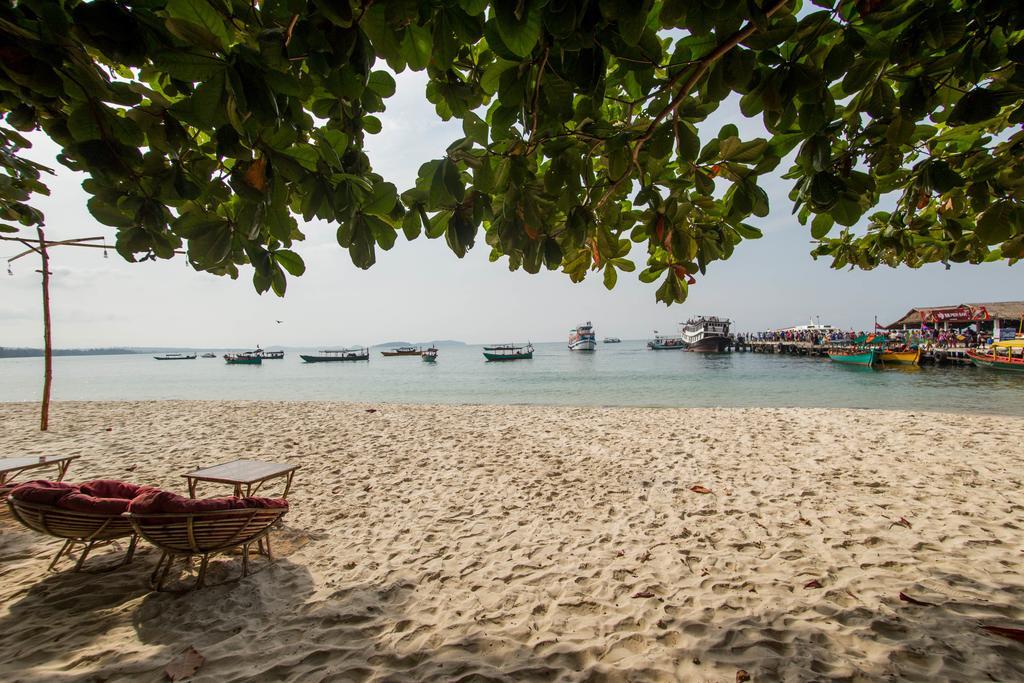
point(87, 528)
point(182, 534)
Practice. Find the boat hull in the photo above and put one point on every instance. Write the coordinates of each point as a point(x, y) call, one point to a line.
point(714, 344)
point(901, 357)
point(583, 345)
point(508, 356)
point(867, 358)
point(984, 360)
point(400, 353)
point(175, 357)
point(429, 359)
point(244, 361)
point(338, 359)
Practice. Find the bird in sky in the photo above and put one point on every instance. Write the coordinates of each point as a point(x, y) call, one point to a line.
point(279, 322)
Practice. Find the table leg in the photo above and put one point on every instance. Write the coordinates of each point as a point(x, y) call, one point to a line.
point(62, 469)
point(288, 484)
point(238, 490)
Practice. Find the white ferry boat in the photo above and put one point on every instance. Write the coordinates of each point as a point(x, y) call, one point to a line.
point(706, 333)
point(583, 338)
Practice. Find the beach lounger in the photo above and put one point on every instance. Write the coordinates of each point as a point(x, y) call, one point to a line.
point(183, 527)
point(89, 514)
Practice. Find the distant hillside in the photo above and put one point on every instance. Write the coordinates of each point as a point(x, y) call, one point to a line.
point(436, 342)
point(15, 352)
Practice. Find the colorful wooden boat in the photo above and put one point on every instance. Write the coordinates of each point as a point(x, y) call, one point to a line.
point(243, 359)
point(912, 357)
point(663, 343)
point(508, 352)
point(1001, 356)
point(430, 355)
point(403, 351)
point(338, 355)
point(854, 356)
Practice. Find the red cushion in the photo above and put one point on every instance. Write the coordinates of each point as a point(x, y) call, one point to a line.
point(112, 488)
point(81, 502)
point(254, 502)
point(42, 491)
point(156, 502)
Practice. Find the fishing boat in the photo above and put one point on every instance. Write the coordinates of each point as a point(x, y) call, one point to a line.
point(272, 355)
point(337, 355)
point(209, 355)
point(866, 357)
point(430, 355)
point(611, 340)
point(1001, 356)
point(666, 343)
point(905, 357)
point(245, 358)
point(706, 334)
point(403, 351)
point(583, 338)
point(176, 356)
point(508, 352)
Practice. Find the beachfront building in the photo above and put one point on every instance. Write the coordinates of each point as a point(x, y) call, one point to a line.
point(1001, 319)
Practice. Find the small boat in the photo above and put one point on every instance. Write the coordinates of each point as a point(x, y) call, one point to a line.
point(583, 338)
point(176, 356)
point(245, 358)
point(272, 355)
point(430, 355)
point(508, 352)
point(854, 356)
point(666, 343)
point(706, 334)
point(338, 355)
point(611, 340)
point(995, 360)
point(209, 355)
point(893, 357)
point(403, 351)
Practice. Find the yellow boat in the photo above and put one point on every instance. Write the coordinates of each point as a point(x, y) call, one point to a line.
point(912, 357)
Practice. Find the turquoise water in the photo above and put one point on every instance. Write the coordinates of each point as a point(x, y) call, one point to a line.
point(625, 374)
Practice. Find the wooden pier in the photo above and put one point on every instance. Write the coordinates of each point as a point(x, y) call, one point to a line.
point(943, 356)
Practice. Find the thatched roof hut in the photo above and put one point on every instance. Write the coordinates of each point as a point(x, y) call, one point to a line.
point(961, 313)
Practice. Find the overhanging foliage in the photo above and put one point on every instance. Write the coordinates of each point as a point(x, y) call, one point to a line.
point(212, 124)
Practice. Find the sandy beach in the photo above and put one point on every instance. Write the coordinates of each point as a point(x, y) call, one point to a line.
point(511, 543)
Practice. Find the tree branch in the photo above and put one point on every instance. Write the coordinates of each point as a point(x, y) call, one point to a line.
point(700, 69)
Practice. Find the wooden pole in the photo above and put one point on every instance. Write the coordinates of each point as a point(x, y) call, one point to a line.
point(44, 418)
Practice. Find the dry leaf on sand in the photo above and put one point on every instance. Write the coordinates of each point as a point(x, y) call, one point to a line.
point(185, 664)
point(700, 489)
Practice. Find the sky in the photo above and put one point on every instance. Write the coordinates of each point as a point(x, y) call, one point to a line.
point(420, 291)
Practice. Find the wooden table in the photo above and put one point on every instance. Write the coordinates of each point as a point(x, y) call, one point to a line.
point(12, 467)
point(249, 473)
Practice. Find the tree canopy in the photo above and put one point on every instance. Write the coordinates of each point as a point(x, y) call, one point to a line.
point(213, 125)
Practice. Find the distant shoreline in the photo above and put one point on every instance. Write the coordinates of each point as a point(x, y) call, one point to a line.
point(36, 353)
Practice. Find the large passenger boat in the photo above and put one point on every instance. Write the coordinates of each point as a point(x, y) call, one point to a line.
point(583, 338)
point(706, 333)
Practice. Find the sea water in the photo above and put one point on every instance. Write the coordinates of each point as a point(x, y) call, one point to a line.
point(626, 374)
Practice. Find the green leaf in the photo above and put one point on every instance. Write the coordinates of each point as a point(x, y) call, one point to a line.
point(821, 225)
point(998, 222)
point(290, 261)
point(518, 23)
point(382, 201)
point(381, 83)
point(202, 14)
point(610, 276)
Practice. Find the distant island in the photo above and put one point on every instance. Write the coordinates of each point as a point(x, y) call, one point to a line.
point(17, 352)
point(436, 342)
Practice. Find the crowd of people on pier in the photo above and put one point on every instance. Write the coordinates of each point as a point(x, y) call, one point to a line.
point(926, 337)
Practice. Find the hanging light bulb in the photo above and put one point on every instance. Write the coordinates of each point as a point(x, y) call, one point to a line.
point(105, 255)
